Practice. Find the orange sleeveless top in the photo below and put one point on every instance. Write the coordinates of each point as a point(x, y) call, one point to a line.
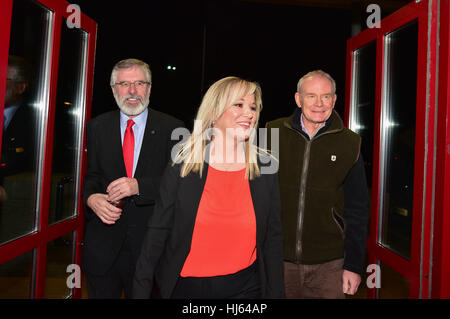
point(224, 237)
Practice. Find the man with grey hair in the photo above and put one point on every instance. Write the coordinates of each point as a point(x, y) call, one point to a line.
point(128, 150)
point(324, 197)
point(18, 143)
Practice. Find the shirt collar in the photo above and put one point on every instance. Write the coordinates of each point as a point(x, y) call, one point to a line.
point(8, 114)
point(139, 120)
point(306, 131)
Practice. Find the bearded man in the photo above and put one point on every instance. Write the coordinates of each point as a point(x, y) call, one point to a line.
point(127, 152)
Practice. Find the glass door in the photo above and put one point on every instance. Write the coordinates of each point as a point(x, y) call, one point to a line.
point(47, 60)
point(388, 104)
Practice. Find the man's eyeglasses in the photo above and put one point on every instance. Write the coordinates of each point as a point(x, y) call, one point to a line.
point(137, 84)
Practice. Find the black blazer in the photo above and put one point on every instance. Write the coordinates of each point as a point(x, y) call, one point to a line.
point(18, 143)
point(105, 164)
point(168, 240)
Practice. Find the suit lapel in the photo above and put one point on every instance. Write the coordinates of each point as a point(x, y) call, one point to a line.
point(259, 201)
point(150, 144)
point(113, 133)
point(194, 191)
point(197, 185)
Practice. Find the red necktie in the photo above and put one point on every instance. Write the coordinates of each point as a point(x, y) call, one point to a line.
point(128, 148)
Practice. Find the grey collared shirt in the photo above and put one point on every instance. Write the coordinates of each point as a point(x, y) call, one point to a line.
point(306, 131)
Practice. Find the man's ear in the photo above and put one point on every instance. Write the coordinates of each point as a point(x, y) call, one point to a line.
point(297, 99)
point(334, 100)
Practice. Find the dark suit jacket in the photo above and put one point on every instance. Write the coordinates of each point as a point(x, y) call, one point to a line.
point(168, 240)
point(105, 164)
point(18, 143)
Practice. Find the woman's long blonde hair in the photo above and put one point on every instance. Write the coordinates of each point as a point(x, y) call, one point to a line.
point(221, 95)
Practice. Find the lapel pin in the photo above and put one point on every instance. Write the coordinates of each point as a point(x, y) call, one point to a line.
point(333, 158)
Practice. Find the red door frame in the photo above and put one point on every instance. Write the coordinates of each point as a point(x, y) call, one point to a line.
point(417, 268)
point(441, 255)
point(46, 233)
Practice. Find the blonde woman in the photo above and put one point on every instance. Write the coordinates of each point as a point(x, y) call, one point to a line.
point(216, 230)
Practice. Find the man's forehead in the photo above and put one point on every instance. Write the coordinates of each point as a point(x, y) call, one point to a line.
point(316, 80)
point(133, 70)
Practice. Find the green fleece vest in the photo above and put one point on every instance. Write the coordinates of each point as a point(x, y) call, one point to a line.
point(311, 176)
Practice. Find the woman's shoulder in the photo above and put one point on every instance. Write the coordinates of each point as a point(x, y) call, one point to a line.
point(267, 163)
point(175, 169)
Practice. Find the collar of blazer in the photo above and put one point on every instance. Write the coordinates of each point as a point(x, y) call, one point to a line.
point(260, 189)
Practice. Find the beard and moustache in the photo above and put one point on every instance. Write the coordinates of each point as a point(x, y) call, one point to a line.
point(134, 110)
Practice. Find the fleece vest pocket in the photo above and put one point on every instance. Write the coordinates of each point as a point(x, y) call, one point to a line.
point(339, 220)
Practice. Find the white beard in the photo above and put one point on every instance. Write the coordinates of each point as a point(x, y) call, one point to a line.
point(135, 110)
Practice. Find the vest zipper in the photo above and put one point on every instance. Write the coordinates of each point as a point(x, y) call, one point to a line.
point(301, 205)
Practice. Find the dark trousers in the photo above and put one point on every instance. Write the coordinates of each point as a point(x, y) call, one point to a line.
point(241, 285)
point(314, 281)
point(117, 280)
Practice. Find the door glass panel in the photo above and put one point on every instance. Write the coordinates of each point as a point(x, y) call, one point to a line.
point(16, 277)
point(69, 117)
point(393, 285)
point(363, 101)
point(398, 136)
point(60, 254)
point(25, 109)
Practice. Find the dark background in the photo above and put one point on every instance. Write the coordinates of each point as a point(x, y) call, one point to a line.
point(271, 42)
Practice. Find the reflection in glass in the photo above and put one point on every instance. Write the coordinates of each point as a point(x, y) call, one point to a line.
point(363, 101)
point(25, 112)
point(393, 285)
point(397, 138)
point(69, 116)
point(60, 254)
point(16, 277)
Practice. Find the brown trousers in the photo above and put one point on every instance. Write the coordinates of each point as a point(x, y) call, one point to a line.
point(314, 281)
